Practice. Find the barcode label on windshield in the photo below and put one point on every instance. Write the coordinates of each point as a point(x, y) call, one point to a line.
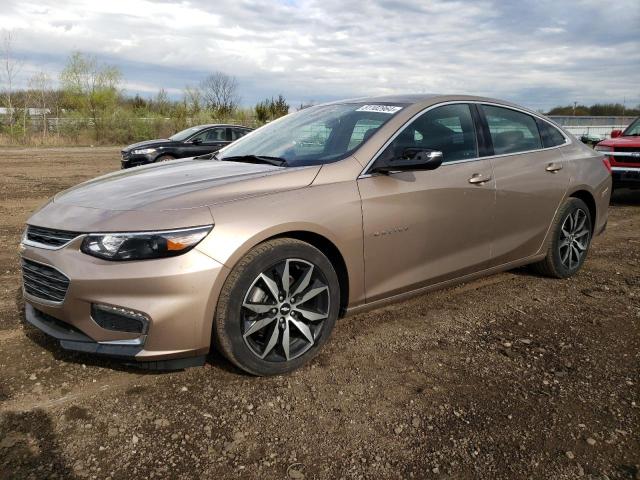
point(379, 108)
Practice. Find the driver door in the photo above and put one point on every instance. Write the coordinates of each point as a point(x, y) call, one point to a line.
point(207, 141)
point(425, 227)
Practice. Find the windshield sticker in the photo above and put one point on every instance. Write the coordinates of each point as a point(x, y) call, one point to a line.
point(379, 108)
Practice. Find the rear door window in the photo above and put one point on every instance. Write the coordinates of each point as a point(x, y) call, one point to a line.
point(511, 131)
point(551, 136)
point(236, 133)
point(216, 135)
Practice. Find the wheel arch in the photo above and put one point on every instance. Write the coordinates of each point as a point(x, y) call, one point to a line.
point(332, 252)
point(165, 154)
point(588, 198)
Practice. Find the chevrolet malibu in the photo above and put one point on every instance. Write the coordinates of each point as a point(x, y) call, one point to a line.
point(258, 249)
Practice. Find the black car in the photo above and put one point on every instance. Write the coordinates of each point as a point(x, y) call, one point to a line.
point(187, 143)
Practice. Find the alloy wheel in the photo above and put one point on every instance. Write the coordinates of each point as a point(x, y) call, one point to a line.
point(284, 310)
point(575, 234)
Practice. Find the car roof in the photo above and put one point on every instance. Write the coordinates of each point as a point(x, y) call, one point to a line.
point(427, 99)
point(207, 125)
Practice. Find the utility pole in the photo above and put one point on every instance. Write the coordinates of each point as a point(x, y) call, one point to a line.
point(574, 108)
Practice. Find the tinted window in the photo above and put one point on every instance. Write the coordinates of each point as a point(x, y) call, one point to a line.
point(551, 136)
point(212, 135)
point(448, 129)
point(511, 131)
point(236, 133)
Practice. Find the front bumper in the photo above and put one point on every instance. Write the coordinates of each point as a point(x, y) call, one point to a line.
point(130, 160)
point(626, 177)
point(178, 295)
point(70, 338)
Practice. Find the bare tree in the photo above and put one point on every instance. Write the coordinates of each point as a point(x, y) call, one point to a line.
point(193, 99)
point(220, 93)
point(40, 84)
point(162, 104)
point(10, 68)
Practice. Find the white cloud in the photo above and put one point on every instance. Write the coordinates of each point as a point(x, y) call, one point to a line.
point(537, 53)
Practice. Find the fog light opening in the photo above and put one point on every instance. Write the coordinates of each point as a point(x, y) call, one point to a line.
point(119, 319)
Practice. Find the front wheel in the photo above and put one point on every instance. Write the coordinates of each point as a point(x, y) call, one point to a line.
point(164, 158)
point(570, 238)
point(277, 308)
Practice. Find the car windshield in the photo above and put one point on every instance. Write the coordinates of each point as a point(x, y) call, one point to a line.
point(315, 135)
point(633, 129)
point(184, 134)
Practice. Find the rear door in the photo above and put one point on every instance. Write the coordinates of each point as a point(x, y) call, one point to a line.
point(235, 133)
point(214, 139)
point(424, 227)
point(531, 180)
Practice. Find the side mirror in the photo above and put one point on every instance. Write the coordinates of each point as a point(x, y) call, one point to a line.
point(412, 159)
point(196, 141)
point(616, 133)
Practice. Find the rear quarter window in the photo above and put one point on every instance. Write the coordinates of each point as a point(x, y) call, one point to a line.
point(551, 136)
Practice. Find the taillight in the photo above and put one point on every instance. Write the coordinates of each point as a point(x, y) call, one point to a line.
point(607, 158)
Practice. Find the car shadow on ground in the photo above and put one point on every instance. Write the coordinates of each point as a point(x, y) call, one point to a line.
point(214, 359)
point(29, 447)
point(626, 197)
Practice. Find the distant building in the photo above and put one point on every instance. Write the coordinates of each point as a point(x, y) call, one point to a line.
point(597, 127)
point(33, 112)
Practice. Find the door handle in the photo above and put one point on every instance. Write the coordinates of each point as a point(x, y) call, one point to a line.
point(553, 167)
point(479, 179)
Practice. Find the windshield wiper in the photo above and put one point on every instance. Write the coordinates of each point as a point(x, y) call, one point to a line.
point(276, 161)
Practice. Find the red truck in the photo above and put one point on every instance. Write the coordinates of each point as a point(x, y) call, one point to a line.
point(623, 152)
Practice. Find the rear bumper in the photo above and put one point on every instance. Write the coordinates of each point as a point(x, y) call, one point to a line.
point(625, 177)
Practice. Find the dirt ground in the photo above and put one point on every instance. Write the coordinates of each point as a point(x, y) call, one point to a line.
point(513, 376)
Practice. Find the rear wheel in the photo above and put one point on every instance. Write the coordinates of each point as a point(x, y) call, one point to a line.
point(277, 308)
point(569, 241)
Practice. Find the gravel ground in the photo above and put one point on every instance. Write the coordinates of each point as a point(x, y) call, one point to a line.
point(511, 376)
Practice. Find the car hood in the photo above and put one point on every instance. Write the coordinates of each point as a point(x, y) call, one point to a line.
point(621, 142)
point(148, 144)
point(184, 184)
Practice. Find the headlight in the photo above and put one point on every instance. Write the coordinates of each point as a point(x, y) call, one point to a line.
point(144, 151)
point(603, 148)
point(143, 245)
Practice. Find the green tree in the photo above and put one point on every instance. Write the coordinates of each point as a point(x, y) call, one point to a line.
point(270, 109)
point(262, 111)
point(278, 107)
point(91, 89)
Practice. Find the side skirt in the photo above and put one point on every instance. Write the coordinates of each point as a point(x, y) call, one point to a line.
point(437, 286)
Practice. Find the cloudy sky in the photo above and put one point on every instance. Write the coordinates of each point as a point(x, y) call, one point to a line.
point(538, 53)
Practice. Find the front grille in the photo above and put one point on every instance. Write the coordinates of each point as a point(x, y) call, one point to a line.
point(627, 149)
point(44, 282)
point(49, 236)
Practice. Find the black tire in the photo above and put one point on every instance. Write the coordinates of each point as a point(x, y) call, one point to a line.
point(164, 158)
point(231, 324)
point(556, 264)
